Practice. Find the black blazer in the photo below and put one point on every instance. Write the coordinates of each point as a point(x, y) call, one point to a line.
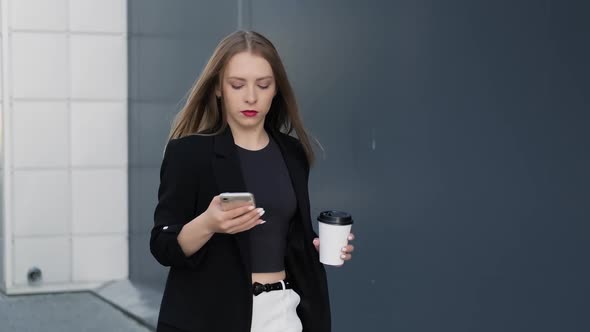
point(211, 290)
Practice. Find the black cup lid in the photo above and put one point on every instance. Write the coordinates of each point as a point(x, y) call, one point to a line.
point(335, 217)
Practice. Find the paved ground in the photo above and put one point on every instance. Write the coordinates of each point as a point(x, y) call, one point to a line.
point(138, 300)
point(83, 311)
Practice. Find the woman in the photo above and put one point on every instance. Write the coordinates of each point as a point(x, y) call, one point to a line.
point(245, 269)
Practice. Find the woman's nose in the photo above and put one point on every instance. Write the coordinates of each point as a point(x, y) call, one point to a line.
point(251, 96)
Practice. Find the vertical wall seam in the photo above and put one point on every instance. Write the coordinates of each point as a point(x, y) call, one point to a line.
point(125, 55)
point(6, 135)
point(249, 14)
point(244, 15)
point(240, 21)
point(69, 184)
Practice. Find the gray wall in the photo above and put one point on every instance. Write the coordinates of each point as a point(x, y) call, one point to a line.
point(454, 131)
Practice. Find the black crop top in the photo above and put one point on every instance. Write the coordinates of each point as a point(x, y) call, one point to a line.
point(267, 177)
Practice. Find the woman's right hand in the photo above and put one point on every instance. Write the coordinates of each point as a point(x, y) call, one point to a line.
point(232, 221)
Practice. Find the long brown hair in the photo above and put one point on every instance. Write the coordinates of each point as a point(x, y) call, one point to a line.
point(203, 111)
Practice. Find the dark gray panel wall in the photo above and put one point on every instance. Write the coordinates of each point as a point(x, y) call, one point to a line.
point(454, 131)
point(169, 44)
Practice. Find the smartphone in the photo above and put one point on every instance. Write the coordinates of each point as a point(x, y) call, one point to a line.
point(234, 200)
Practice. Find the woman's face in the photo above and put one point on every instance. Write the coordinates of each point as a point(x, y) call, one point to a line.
point(248, 87)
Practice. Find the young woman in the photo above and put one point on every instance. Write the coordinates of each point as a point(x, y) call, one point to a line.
point(250, 268)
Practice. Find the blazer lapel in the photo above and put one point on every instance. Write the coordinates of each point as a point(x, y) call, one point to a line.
point(229, 178)
point(296, 171)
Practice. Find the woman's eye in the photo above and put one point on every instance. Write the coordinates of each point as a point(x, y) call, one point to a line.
point(237, 87)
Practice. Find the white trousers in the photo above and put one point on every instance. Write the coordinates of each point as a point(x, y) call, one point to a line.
point(275, 311)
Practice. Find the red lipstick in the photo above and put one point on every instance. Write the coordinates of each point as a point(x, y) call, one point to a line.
point(250, 113)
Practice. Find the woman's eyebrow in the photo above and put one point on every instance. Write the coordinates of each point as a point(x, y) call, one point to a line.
point(243, 79)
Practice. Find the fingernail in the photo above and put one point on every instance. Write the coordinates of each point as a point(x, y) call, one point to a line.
point(350, 237)
point(343, 256)
point(262, 212)
point(262, 222)
point(343, 249)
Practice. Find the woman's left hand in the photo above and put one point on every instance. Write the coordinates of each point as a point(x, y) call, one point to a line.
point(346, 251)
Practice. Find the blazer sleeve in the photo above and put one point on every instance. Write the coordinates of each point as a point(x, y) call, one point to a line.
point(177, 196)
point(303, 158)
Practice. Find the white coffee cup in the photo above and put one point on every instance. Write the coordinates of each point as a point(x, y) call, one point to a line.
point(334, 229)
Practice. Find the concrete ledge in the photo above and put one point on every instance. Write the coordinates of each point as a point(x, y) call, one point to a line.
point(140, 302)
point(52, 288)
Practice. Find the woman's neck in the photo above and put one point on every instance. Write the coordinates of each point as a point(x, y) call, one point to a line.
point(250, 139)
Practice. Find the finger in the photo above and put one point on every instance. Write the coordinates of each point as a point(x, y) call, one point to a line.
point(316, 242)
point(346, 257)
point(250, 224)
point(237, 222)
point(233, 213)
point(216, 201)
point(348, 248)
point(253, 222)
point(350, 237)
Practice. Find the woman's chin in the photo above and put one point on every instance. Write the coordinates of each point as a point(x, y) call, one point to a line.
point(250, 123)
